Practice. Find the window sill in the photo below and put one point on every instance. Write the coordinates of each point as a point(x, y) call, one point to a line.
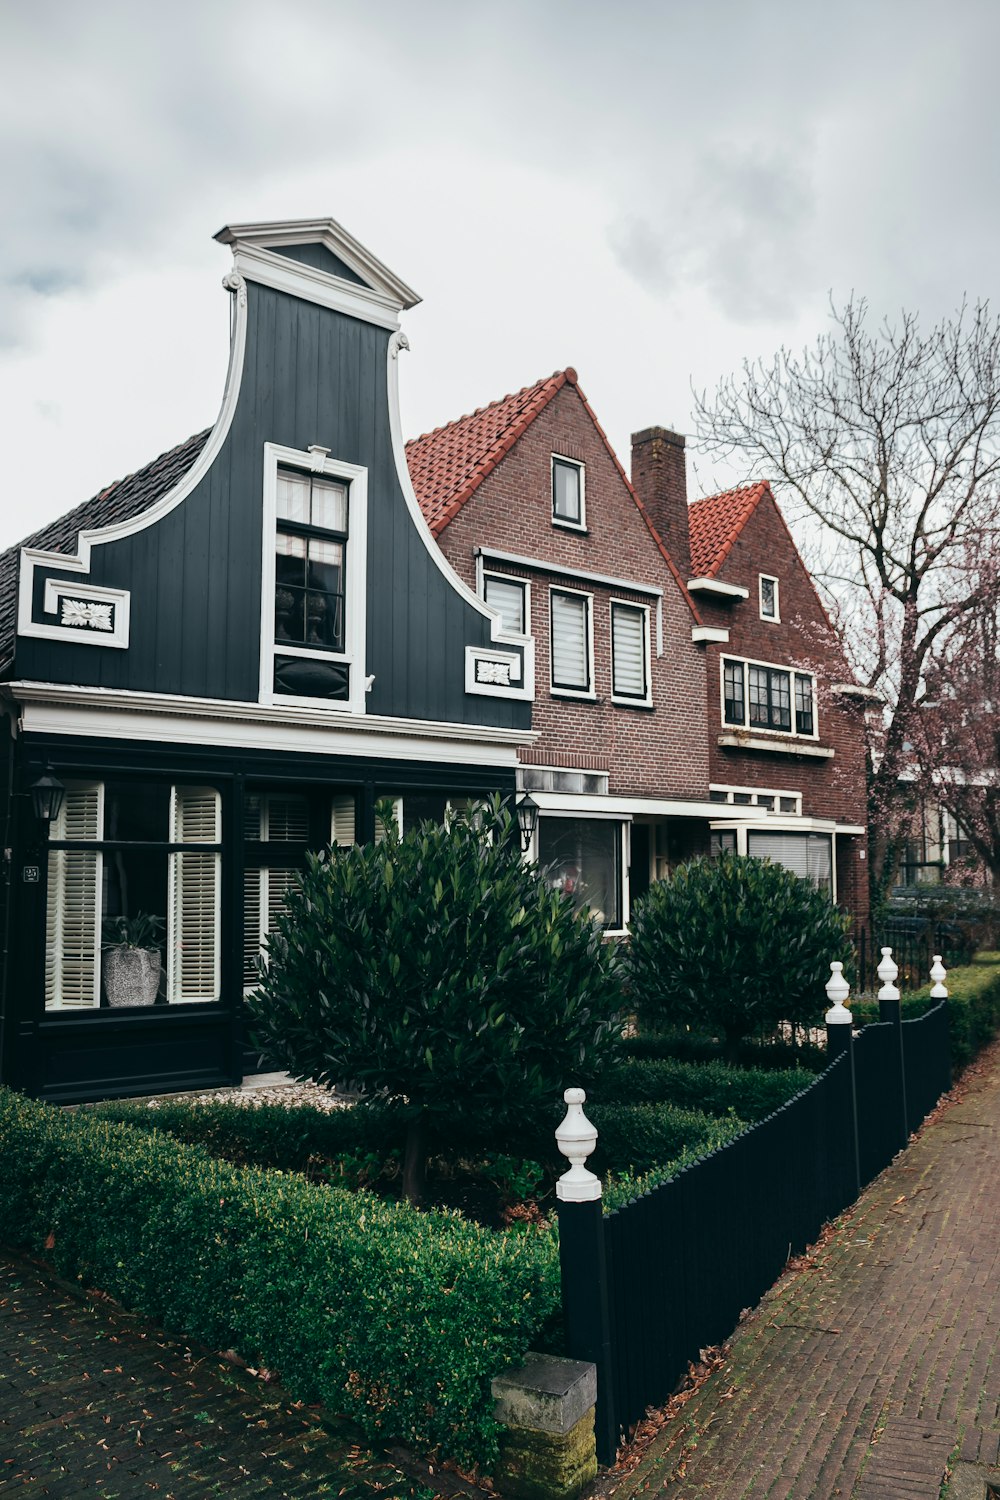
point(643, 703)
point(581, 694)
point(780, 745)
point(577, 526)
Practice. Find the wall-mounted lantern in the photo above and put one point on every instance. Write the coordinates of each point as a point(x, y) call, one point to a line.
point(47, 795)
point(527, 819)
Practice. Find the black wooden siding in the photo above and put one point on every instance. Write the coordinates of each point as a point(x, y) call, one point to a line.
point(311, 375)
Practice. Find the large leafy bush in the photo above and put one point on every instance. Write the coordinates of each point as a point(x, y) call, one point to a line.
point(736, 945)
point(439, 972)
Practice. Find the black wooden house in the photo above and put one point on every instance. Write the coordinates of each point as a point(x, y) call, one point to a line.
point(224, 661)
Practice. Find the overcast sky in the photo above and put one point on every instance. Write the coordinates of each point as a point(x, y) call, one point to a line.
point(650, 192)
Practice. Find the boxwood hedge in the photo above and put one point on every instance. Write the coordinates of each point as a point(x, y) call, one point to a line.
point(396, 1318)
point(712, 1087)
point(973, 1006)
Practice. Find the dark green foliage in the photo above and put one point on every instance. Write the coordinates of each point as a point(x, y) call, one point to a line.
point(712, 1087)
point(441, 973)
point(973, 1007)
point(695, 1047)
point(735, 945)
point(635, 1138)
point(395, 1318)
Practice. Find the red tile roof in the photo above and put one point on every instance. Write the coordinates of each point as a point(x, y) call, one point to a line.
point(717, 521)
point(448, 464)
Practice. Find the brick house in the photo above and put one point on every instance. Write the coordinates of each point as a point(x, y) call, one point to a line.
point(533, 510)
point(785, 717)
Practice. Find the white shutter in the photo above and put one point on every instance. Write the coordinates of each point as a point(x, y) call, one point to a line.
point(570, 641)
point(397, 813)
point(193, 946)
point(628, 651)
point(73, 904)
point(342, 831)
point(252, 906)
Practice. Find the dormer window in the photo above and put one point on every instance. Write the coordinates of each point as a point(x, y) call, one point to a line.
point(769, 598)
point(567, 493)
point(310, 546)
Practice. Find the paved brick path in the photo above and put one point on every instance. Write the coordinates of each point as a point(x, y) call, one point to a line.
point(95, 1402)
point(861, 1372)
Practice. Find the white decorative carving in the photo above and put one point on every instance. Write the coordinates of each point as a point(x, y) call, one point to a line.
point(86, 614)
point(233, 282)
point(318, 457)
point(493, 671)
point(397, 342)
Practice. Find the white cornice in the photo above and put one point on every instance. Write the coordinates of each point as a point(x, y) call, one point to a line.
point(599, 804)
point(713, 586)
point(327, 232)
point(538, 565)
point(310, 285)
point(108, 713)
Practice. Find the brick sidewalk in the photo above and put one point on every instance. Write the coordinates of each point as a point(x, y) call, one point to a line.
point(93, 1401)
point(864, 1369)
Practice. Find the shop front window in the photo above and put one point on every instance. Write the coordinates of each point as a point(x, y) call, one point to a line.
point(582, 858)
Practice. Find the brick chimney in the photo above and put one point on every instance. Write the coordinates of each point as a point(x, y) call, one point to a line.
point(659, 477)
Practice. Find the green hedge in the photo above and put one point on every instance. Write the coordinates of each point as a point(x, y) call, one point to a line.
point(973, 1006)
point(712, 1087)
point(397, 1319)
point(691, 1047)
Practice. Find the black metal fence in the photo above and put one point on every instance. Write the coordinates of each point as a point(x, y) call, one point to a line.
point(647, 1287)
point(914, 942)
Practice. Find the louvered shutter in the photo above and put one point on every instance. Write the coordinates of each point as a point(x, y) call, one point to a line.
point(808, 855)
point(342, 831)
point(397, 813)
point(73, 904)
point(570, 641)
point(287, 819)
point(628, 651)
point(252, 905)
point(195, 890)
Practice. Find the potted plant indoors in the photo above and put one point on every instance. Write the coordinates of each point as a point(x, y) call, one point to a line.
point(132, 959)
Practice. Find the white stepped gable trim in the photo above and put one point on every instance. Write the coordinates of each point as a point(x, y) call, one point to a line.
point(335, 238)
point(497, 632)
point(32, 558)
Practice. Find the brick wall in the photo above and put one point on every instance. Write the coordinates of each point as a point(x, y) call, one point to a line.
point(802, 639)
point(658, 752)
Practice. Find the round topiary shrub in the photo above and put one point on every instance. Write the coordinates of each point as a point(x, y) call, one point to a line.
point(734, 946)
point(440, 972)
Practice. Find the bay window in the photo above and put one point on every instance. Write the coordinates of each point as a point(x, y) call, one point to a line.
point(776, 700)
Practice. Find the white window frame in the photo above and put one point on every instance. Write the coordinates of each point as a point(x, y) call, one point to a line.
point(589, 693)
point(757, 792)
point(589, 815)
point(524, 585)
point(774, 619)
point(317, 461)
point(628, 700)
point(757, 729)
point(580, 467)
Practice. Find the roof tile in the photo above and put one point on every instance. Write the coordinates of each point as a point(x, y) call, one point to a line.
point(716, 522)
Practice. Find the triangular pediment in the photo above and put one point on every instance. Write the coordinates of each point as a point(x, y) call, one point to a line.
point(326, 248)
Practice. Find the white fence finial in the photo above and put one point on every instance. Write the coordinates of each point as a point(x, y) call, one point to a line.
point(837, 991)
point(888, 972)
point(576, 1138)
point(939, 974)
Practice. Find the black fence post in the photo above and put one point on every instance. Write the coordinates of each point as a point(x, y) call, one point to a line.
point(890, 1009)
point(840, 1039)
point(583, 1264)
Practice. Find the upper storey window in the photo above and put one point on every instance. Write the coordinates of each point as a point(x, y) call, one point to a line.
point(568, 502)
point(769, 598)
point(509, 597)
point(760, 697)
point(310, 546)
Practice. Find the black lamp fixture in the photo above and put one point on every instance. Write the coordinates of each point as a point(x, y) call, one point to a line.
point(527, 819)
point(47, 795)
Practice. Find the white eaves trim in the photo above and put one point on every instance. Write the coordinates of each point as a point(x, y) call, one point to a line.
point(105, 713)
point(714, 586)
point(718, 633)
point(597, 805)
point(311, 285)
point(785, 824)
